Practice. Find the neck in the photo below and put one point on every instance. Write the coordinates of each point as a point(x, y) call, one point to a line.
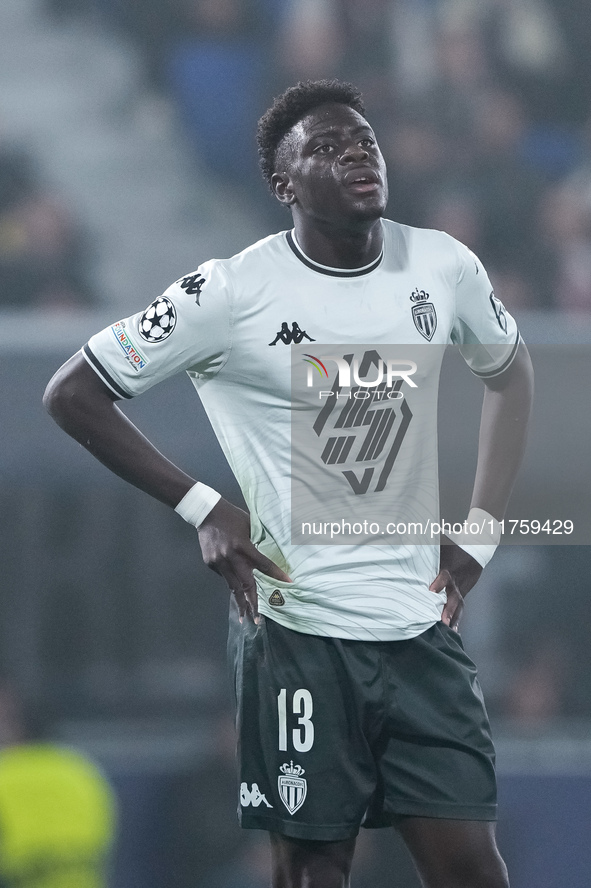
point(344, 248)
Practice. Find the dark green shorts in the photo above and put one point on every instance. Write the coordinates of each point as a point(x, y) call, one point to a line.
point(334, 734)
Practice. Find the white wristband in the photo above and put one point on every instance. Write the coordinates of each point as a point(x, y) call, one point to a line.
point(197, 503)
point(482, 526)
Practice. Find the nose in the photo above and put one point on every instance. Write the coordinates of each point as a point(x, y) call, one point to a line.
point(353, 153)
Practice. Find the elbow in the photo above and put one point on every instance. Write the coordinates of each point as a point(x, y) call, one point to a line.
point(76, 399)
point(68, 390)
point(528, 380)
point(56, 397)
point(51, 396)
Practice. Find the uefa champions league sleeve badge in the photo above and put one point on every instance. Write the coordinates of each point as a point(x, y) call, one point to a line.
point(158, 321)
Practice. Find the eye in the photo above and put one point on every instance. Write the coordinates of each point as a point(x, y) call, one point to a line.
point(367, 142)
point(325, 148)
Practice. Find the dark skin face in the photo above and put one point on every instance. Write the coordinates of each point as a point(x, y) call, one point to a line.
point(332, 176)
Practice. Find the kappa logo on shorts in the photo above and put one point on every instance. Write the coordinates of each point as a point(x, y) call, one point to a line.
point(252, 796)
point(276, 598)
point(292, 787)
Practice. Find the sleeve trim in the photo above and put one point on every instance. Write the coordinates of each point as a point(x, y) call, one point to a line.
point(504, 366)
point(106, 377)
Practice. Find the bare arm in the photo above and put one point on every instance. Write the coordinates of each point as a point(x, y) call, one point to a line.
point(84, 407)
point(503, 432)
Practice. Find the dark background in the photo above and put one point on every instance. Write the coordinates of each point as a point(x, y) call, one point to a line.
point(127, 158)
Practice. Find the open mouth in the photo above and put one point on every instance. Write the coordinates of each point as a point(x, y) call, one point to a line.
point(362, 181)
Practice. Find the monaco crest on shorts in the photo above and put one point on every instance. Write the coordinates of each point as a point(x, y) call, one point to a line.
point(292, 787)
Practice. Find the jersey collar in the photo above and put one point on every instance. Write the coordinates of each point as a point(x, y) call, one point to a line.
point(327, 269)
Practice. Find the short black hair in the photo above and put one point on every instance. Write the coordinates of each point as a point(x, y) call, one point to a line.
point(294, 104)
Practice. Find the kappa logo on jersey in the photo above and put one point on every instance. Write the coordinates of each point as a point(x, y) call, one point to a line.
point(192, 285)
point(135, 358)
point(368, 429)
point(499, 310)
point(288, 336)
point(276, 598)
point(292, 787)
point(158, 321)
point(252, 796)
point(423, 314)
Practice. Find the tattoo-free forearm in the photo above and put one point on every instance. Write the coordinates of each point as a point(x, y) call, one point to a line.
point(503, 432)
point(83, 407)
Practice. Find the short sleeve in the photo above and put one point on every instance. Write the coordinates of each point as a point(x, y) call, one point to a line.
point(187, 328)
point(483, 328)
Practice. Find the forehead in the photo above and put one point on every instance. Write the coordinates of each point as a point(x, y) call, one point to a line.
point(325, 119)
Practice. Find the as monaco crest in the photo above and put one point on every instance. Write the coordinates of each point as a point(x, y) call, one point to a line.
point(423, 314)
point(292, 787)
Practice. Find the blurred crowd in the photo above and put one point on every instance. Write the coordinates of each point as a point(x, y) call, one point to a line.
point(483, 111)
point(482, 108)
point(43, 250)
point(58, 811)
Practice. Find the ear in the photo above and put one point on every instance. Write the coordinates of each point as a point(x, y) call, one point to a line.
point(283, 188)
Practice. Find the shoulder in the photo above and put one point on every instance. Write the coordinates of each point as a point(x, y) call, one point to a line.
point(426, 247)
point(263, 254)
point(419, 237)
point(223, 273)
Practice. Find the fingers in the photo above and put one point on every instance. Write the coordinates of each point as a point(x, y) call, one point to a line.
point(441, 581)
point(243, 587)
point(231, 554)
point(241, 601)
point(454, 623)
point(454, 605)
point(242, 583)
point(452, 612)
point(236, 569)
point(268, 567)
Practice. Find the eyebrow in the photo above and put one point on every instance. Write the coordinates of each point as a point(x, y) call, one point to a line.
point(364, 127)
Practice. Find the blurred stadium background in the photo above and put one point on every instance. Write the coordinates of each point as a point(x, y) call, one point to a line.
point(127, 157)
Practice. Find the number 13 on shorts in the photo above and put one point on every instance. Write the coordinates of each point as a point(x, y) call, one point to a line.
point(302, 736)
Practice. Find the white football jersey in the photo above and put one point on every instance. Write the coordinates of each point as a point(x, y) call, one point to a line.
point(231, 326)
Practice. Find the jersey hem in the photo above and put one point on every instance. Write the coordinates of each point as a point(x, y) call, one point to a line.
point(388, 633)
